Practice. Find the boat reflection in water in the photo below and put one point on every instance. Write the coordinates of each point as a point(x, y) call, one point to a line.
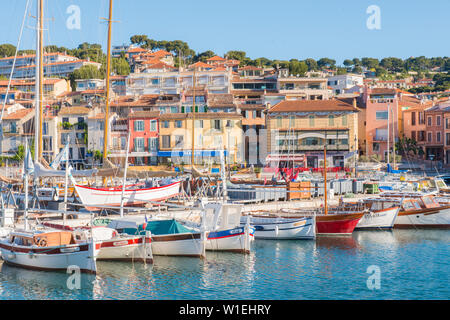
point(42, 285)
point(338, 242)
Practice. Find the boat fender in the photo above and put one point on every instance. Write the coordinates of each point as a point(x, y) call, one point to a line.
point(42, 242)
point(276, 230)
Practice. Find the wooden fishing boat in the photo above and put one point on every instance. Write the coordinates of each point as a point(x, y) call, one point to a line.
point(48, 250)
point(281, 228)
point(111, 245)
point(225, 232)
point(168, 237)
point(381, 213)
point(421, 211)
point(132, 196)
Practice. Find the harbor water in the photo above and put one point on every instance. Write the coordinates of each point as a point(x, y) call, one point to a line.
point(398, 264)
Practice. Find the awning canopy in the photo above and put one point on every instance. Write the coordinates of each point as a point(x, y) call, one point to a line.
point(285, 157)
point(197, 153)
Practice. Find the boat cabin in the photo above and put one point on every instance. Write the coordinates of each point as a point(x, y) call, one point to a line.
point(425, 202)
point(378, 204)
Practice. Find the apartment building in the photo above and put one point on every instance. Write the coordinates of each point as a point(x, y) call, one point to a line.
point(175, 82)
point(213, 132)
point(73, 125)
point(299, 130)
point(17, 124)
point(381, 107)
point(144, 137)
point(298, 88)
point(55, 64)
point(345, 83)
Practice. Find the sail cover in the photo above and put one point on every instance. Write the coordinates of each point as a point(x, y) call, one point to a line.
point(40, 171)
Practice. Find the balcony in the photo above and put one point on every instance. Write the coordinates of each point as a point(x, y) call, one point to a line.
point(340, 147)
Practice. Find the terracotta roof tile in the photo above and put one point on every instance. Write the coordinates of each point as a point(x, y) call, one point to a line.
point(311, 105)
point(74, 110)
point(19, 114)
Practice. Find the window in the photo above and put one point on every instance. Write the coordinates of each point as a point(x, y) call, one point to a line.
point(438, 137)
point(413, 135)
point(292, 121)
point(381, 134)
point(139, 144)
point(199, 123)
point(376, 146)
point(165, 124)
point(179, 141)
point(382, 115)
point(65, 120)
point(173, 109)
point(217, 124)
point(331, 120)
point(429, 121)
point(438, 120)
point(152, 144)
point(178, 124)
point(45, 128)
point(430, 137)
point(123, 143)
point(413, 118)
point(153, 125)
point(311, 121)
point(139, 125)
point(165, 141)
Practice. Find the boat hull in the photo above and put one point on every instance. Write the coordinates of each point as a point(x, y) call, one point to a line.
point(92, 197)
point(337, 224)
point(180, 244)
point(378, 219)
point(135, 249)
point(232, 240)
point(51, 258)
point(282, 228)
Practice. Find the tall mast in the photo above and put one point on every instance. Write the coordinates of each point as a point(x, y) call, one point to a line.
point(193, 119)
point(108, 67)
point(38, 80)
point(393, 138)
point(388, 134)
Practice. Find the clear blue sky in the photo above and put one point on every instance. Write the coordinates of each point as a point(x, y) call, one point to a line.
point(282, 29)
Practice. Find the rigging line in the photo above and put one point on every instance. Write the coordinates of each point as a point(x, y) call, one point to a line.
point(14, 64)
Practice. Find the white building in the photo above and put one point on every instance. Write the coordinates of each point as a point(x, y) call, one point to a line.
point(175, 82)
point(344, 82)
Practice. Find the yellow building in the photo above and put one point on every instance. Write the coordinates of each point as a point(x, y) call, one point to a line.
point(214, 131)
point(298, 131)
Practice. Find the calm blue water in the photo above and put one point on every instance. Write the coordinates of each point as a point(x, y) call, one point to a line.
point(413, 264)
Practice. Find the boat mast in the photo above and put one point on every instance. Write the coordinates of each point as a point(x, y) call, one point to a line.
point(125, 176)
point(38, 80)
point(108, 67)
point(388, 134)
point(325, 177)
point(393, 138)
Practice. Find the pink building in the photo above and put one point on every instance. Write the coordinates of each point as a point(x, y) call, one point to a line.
point(144, 128)
point(381, 105)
